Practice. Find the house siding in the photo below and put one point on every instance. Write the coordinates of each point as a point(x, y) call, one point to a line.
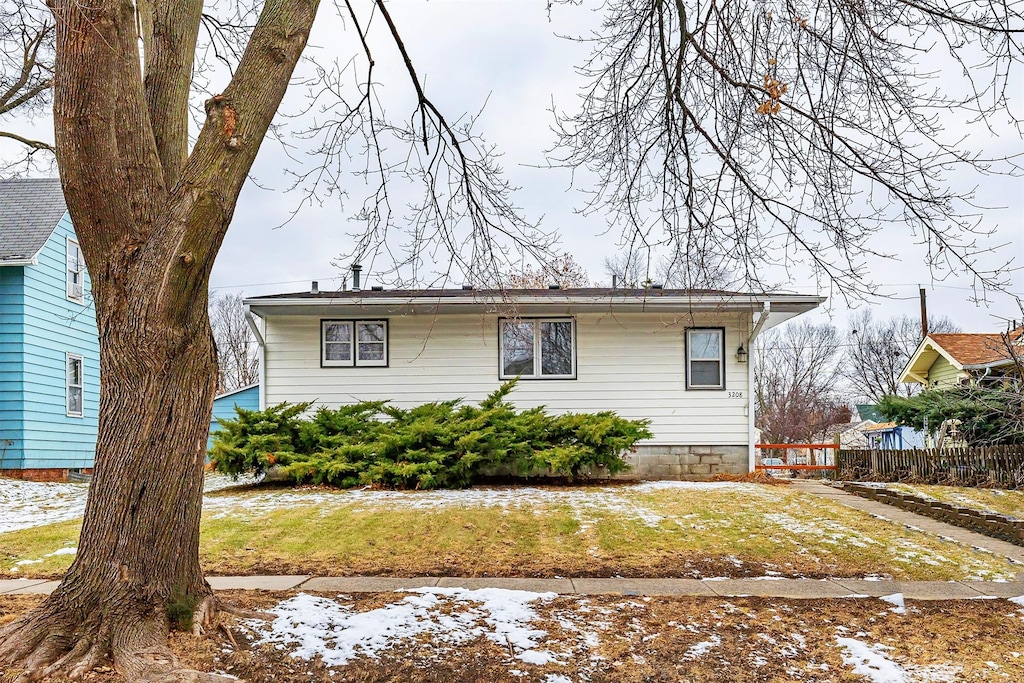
point(11, 349)
point(631, 363)
point(52, 327)
point(942, 373)
point(224, 407)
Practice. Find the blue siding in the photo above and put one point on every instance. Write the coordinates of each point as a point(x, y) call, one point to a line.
point(224, 407)
point(11, 351)
point(54, 326)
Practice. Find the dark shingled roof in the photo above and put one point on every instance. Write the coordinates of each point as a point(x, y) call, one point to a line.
point(364, 294)
point(30, 209)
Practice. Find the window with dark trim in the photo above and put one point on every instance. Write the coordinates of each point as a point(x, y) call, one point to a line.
point(353, 343)
point(705, 358)
point(537, 348)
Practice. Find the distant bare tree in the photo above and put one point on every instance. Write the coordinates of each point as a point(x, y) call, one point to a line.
point(681, 271)
point(26, 78)
point(771, 133)
point(237, 358)
point(796, 383)
point(562, 270)
point(625, 269)
point(880, 350)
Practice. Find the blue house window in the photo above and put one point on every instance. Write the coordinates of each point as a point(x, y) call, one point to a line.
point(74, 385)
point(75, 270)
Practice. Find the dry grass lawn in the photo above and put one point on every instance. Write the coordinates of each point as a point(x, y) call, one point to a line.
point(654, 530)
point(638, 639)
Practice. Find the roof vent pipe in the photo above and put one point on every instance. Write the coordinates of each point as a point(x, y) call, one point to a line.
point(377, 288)
point(315, 289)
point(356, 270)
point(555, 286)
point(615, 280)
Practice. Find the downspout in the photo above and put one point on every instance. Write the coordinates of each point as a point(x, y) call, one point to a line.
point(751, 404)
point(261, 357)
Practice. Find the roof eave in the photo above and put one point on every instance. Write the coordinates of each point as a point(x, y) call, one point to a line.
point(793, 303)
point(33, 261)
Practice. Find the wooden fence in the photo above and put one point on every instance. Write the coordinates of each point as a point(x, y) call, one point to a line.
point(1000, 466)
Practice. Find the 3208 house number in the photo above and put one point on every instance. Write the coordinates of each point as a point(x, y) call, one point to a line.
point(735, 394)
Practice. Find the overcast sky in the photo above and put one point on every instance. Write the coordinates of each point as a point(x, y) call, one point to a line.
point(505, 54)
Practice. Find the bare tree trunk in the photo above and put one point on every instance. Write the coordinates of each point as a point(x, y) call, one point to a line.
point(150, 219)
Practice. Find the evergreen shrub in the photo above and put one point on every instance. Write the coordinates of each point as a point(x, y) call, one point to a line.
point(445, 444)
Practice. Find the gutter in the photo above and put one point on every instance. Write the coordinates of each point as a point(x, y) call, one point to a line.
point(751, 399)
point(20, 262)
point(261, 356)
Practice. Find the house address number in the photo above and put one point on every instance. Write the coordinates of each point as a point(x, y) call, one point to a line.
point(735, 394)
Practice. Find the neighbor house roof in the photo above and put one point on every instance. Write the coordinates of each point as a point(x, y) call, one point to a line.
point(964, 351)
point(780, 307)
point(30, 209)
point(868, 411)
point(974, 349)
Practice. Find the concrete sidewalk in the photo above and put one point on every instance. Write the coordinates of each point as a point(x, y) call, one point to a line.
point(760, 587)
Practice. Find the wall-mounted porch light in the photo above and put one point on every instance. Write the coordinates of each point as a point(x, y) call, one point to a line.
point(741, 354)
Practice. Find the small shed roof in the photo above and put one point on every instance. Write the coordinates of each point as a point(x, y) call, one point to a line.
point(30, 209)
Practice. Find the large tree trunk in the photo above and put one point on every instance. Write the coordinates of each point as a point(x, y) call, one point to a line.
point(138, 553)
point(150, 219)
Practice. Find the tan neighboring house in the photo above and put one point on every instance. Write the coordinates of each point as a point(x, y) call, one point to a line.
point(947, 360)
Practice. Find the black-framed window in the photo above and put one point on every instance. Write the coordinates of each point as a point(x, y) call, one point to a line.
point(353, 343)
point(537, 348)
point(705, 358)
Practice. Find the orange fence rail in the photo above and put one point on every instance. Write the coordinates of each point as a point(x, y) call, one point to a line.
point(799, 460)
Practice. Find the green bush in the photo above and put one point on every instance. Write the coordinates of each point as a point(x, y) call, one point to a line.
point(436, 445)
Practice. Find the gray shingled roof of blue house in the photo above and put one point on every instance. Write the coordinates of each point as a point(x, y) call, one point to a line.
point(30, 209)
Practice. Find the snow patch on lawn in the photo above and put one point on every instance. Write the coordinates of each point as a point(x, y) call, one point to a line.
point(702, 648)
point(896, 599)
point(311, 626)
point(871, 662)
point(28, 504)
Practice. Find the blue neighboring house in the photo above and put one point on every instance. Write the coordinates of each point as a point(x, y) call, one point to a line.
point(49, 348)
point(224, 406)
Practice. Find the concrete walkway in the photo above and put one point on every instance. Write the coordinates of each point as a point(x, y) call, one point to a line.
point(761, 587)
point(911, 519)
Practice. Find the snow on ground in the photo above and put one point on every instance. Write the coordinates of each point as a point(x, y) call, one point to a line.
point(313, 626)
point(25, 504)
point(536, 630)
point(617, 499)
point(871, 662)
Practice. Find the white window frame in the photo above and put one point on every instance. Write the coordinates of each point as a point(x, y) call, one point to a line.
point(74, 273)
point(68, 386)
point(720, 331)
point(537, 344)
point(353, 360)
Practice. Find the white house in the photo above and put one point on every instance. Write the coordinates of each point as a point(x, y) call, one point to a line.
point(676, 357)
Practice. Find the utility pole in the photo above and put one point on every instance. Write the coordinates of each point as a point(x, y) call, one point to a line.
point(924, 314)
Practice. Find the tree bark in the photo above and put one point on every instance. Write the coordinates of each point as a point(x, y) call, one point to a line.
point(150, 219)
